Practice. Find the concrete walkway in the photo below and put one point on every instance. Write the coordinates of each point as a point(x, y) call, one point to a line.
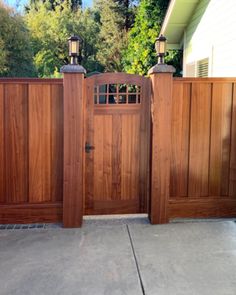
point(114, 258)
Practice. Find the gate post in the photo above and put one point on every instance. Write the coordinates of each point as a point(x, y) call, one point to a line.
point(161, 78)
point(73, 144)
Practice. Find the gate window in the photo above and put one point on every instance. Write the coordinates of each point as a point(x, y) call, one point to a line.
point(117, 94)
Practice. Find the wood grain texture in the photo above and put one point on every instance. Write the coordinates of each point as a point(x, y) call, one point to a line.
point(118, 166)
point(74, 108)
point(232, 175)
point(89, 138)
point(220, 139)
point(39, 143)
point(130, 158)
point(30, 150)
point(116, 156)
point(161, 146)
point(199, 140)
point(2, 168)
point(98, 158)
point(203, 208)
point(16, 143)
point(31, 213)
point(107, 157)
point(180, 140)
point(144, 146)
point(56, 143)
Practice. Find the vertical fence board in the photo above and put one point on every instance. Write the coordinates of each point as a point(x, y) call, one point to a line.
point(199, 140)
point(232, 177)
point(220, 139)
point(16, 140)
point(144, 176)
point(2, 184)
point(116, 152)
point(130, 157)
point(107, 157)
point(57, 143)
point(39, 143)
point(180, 140)
point(98, 157)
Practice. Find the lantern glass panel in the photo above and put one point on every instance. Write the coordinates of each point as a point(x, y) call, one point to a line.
point(162, 47)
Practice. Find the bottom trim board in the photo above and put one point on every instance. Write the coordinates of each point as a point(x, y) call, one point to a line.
point(202, 208)
point(31, 213)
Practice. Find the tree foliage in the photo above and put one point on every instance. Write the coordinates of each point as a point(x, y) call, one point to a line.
point(118, 35)
point(140, 54)
point(15, 51)
point(112, 35)
point(127, 10)
point(51, 28)
point(52, 4)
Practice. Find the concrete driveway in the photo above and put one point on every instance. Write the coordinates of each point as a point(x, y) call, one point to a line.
point(124, 257)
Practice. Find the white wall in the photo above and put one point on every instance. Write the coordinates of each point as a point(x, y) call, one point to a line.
point(211, 34)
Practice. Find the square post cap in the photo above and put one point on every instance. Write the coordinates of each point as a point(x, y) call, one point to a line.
point(73, 69)
point(162, 68)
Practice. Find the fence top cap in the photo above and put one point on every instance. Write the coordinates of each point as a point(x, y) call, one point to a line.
point(161, 68)
point(73, 69)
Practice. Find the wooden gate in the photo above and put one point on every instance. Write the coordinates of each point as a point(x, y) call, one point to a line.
point(117, 143)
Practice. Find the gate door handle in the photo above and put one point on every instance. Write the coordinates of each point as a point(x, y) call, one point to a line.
point(88, 147)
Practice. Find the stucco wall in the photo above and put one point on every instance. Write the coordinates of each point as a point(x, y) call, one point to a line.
point(211, 34)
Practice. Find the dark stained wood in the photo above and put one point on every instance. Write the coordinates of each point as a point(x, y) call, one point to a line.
point(31, 213)
point(130, 158)
point(2, 182)
point(144, 147)
point(89, 157)
point(118, 166)
point(232, 175)
point(203, 208)
point(74, 107)
point(114, 207)
point(107, 156)
point(116, 156)
point(57, 143)
point(199, 140)
point(39, 143)
point(30, 150)
point(98, 158)
point(195, 149)
point(16, 143)
point(161, 146)
point(220, 139)
point(212, 159)
point(180, 139)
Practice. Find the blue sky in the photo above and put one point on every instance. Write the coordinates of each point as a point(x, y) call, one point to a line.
point(19, 3)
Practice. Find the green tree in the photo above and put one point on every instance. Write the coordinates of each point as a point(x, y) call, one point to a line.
point(127, 9)
point(140, 54)
point(50, 30)
point(75, 4)
point(112, 36)
point(15, 52)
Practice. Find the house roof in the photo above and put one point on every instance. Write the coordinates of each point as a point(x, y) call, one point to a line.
point(177, 18)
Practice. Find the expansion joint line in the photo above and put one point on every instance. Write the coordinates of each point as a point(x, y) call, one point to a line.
point(136, 261)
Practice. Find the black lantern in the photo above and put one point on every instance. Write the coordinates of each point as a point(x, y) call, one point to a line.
point(161, 49)
point(74, 47)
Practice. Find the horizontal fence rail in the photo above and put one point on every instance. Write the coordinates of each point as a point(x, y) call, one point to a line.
point(31, 147)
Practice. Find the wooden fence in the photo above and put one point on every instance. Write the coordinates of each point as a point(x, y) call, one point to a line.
point(31, 142)
point(203, 149)
point(202, 162)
